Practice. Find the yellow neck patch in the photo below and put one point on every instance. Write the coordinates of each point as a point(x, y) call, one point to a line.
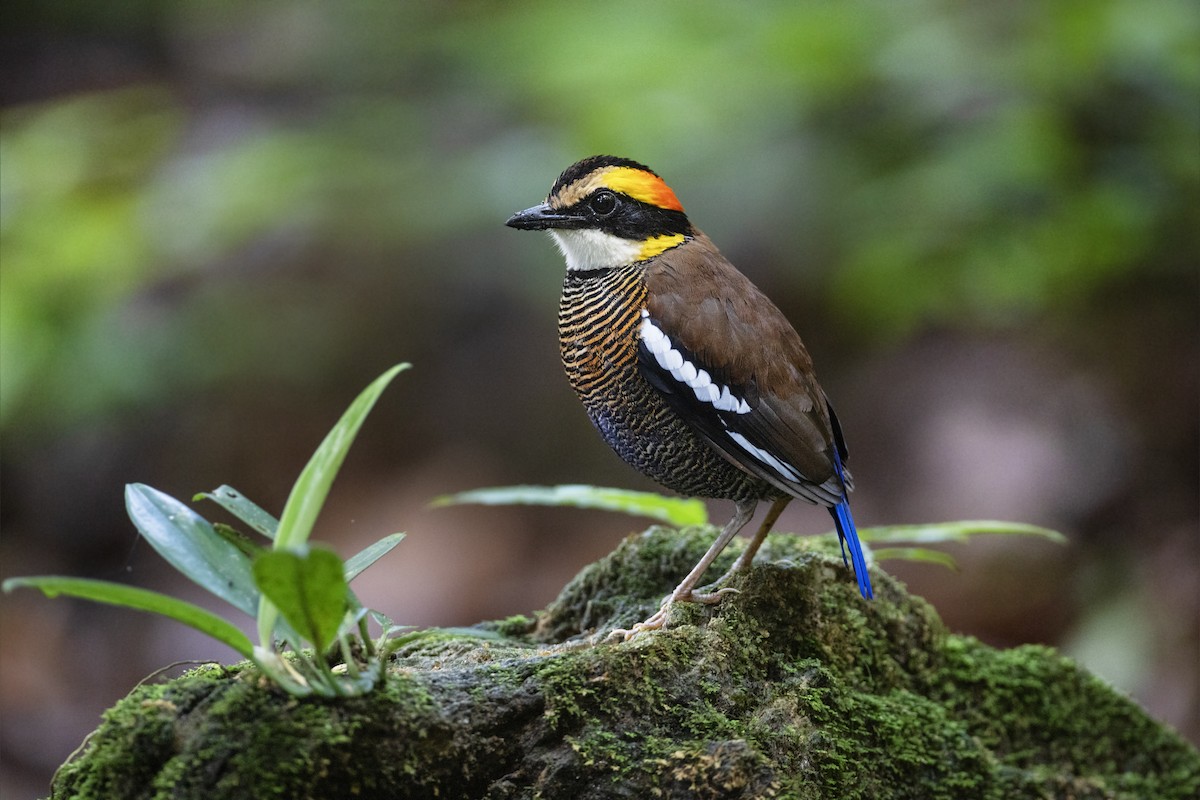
point(643, 186)
point(657, 244)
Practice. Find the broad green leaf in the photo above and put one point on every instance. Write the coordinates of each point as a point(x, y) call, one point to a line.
point(311, 488)
point(189, 543)
point(236, 503)
point(370, 554)
point(141, 600)
point(921, 554)
point(954, 532)
point(677, 511)
point(308, 587)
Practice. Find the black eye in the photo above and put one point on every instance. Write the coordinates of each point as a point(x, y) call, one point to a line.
point(603, 203)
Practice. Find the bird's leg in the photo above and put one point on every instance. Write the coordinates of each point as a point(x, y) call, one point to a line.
point(747, 556)
point(683, 592)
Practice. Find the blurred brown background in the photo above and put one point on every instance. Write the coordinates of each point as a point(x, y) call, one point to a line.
point(220, 220)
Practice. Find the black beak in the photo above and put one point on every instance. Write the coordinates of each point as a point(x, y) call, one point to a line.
point(539, 218)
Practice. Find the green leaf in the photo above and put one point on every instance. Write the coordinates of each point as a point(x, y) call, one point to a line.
point(241, 541)
point(672, 510)
point(236, 503)
point(353, 620)
point(141, 600)
point(920, 554)
point(370, 554)
point(189, 543)
point(936, 533)
point(308, 494)
point(308, 587)
point(311, 488)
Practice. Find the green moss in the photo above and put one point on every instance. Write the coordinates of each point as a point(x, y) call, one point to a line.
point(515, 626)
point(794, 687)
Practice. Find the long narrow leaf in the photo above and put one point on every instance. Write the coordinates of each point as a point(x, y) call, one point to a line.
point(236, 503)
point(312, 487)
point(241, 541)
point(189, 543)
point(308, 494)
point(919, 554)
point(370, 554)
point(954, 532)
point(141, 600)
point(354, 623)
point(672, 510)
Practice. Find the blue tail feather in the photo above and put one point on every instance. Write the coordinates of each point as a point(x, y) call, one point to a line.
point(848, 535)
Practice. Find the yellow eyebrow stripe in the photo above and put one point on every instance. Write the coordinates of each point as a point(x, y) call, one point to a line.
point(643, 186)
point(657, 244)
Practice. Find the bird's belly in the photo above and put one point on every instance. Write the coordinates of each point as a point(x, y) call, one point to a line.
point(648, 435)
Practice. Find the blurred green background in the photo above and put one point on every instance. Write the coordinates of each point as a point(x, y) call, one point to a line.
point(221, 219)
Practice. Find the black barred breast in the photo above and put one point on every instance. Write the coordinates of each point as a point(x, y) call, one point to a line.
point(599, 318)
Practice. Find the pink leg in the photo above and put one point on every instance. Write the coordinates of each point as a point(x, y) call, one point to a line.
point(747, 556)
point(683, 592)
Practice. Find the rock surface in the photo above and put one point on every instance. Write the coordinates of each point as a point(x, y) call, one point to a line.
point(793, 688)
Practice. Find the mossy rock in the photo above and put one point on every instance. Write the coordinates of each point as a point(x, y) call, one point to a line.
point(793, 688)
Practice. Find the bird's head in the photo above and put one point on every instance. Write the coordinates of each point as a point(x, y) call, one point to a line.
point(606, 212)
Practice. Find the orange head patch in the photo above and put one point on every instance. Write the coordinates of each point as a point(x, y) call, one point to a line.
point(641, 185)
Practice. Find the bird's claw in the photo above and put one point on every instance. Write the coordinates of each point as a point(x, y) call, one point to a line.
point(655, 622)
point(712, 598)
point(658, 620)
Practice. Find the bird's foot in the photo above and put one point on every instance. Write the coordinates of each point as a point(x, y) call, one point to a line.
point(714, 596)
point(658, 620)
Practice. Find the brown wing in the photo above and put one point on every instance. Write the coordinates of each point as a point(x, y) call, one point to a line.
point(730, 363)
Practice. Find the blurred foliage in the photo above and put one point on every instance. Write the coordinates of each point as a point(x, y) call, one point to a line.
point(919, 164)
point(73, 246)
point(217, 216)
point(676, 511)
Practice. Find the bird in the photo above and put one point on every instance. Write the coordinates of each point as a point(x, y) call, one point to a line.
point(688, 371)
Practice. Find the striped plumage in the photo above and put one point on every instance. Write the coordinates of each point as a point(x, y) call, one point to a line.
point(598, 322)
point(687, 370)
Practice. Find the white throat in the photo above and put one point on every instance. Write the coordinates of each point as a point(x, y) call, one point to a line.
point(591, 249)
